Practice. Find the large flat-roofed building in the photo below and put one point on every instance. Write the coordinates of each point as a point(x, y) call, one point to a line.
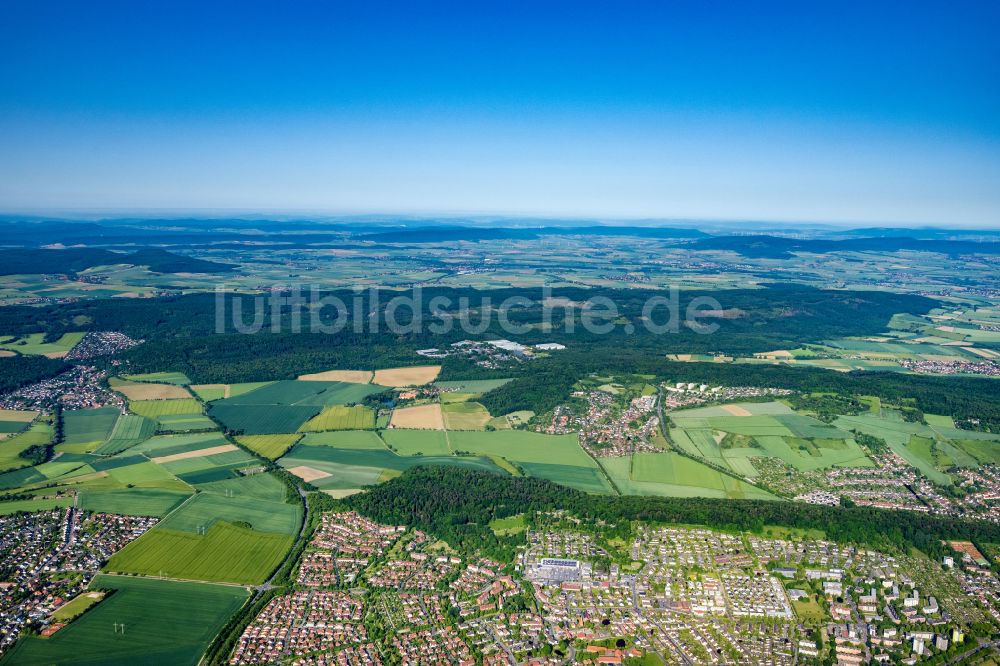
point(553, 569)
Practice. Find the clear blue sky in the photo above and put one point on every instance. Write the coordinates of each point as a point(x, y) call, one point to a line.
point(836, 111)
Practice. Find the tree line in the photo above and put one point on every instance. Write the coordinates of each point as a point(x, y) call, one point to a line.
point(458, 506)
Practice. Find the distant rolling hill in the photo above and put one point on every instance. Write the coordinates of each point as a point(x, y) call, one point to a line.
point(779, 247)
point(71, 260)
point(443, 234)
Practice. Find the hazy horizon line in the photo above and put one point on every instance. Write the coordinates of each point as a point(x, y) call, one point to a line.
point(438, 216)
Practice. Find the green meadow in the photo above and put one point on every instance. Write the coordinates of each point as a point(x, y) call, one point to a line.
point(770, 429)
point(671, 474)
point(225, 553)
point(165, 622)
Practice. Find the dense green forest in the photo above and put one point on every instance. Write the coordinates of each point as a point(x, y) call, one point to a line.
point(753, 319)
point(71, 260)
point(457, 505)
point(180, 336)
point(16, 371)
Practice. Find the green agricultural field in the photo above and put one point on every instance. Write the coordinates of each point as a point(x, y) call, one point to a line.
point(670, 474)
point(129, 430)
point(773, 408)
point(121, 460)
point(166, 622)
point(258, 486)
point(185, 423)
point(175, 378)
point(938, 421)
point(261, 419)
point(558, 458)
point(20, 477)
point(45, 472)
point(227, 553)
point(672, 468)
point(464, 416)
point(132, 501)
point(304, 393)
point(456, 397)
point(269, 446)
point(524, 446)
point(33, 344)
point(345, 393)
point(166, 445)
point(10, 427)
point(718, 436)
point(156, 408)
point(145, 475)
point(208, 393)
point(89, 426)
point(341, 417)
point(417, 442)
point(44, 504)
point(285, 392)
point(10, 448)
point(899, 434)
point(353, 468)
point(984, 452)
point(225, 461)
point(205, 509)
point(246, 387)
point(587, 479)
point(348, 439)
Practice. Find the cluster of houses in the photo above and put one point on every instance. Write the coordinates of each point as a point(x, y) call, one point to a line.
point(301, 623)
point(49, 558)
point(694, 595)
point(422, 571)
point(987, 368)
point(892, 483)
point(101, 343)
point(77, 388)
point(481, 589)
point(610, 431)
point(433, 645)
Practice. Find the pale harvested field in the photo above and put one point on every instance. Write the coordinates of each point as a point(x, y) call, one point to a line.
point(427, 417)
point(308, 474)
point(352, 376)
point(341, 493)
point(17, 415)
point(207, 387)
point(139, 391)
point(212, 450)
point(985, 353)
point(6, 353)
point(415, 376)
point(736, 410)
point(58, 354)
